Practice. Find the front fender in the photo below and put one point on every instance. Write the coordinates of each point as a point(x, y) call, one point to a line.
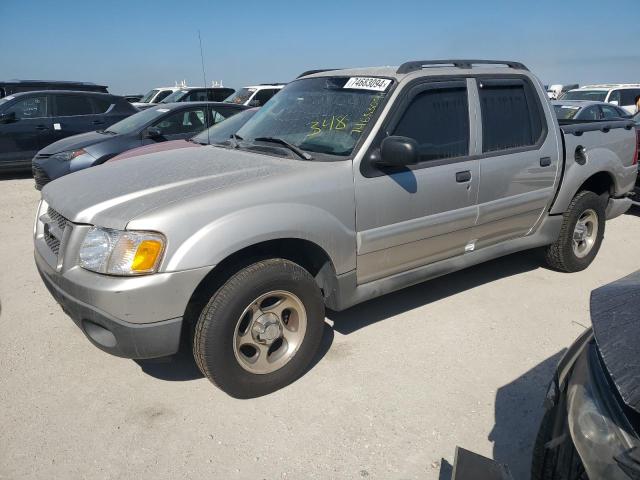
point(246, 227)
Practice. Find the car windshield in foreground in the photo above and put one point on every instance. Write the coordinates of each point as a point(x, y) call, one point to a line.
point(175, 96)
point(596, 95)
point(222, 131)
point(241, 96)
point(147, 98)
point(136, 121)
point(324, 114)
point(566, 112)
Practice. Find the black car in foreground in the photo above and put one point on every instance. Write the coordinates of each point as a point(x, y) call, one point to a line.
point(161, 123)
point(30, 121)
point(591, 427)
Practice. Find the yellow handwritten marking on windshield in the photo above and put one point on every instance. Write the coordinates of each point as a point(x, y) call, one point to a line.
point(329, 123)
point(366, 116)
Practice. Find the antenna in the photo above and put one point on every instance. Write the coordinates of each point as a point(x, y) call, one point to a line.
point(204, 78)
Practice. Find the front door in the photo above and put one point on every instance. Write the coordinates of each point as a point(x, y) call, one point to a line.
point(22, 137)
point(409, 217)
point(520, 159)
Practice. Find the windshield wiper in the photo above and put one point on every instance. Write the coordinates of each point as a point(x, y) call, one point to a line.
point(284, 143)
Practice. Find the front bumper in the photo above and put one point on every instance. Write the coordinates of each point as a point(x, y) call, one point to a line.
point(98, 304)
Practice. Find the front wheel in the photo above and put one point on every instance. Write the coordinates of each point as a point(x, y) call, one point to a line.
point(261, 329)
point(581, 234)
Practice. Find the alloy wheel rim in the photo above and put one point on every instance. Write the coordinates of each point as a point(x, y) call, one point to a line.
point(269, 332)
point(585, 233)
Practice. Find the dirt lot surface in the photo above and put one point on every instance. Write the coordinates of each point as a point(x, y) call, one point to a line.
point(403, 379)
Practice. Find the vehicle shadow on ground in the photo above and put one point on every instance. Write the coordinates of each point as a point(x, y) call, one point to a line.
point(182, 367)
point(381, 308)
point(518, 412)
point(634, 211)
point(19, 175)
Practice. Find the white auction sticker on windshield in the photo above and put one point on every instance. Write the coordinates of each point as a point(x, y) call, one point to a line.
point(368, 83)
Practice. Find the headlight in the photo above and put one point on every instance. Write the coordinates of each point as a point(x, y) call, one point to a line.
point(599, 434)
point(118, 252)
point(70, 155)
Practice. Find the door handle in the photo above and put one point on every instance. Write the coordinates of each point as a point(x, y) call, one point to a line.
point(462, 177)
point(41, 127)
point(545, 161)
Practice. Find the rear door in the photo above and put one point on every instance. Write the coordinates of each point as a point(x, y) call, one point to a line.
point(21, 139)
point(413, 216)
point(73, 114)
point(520, 159)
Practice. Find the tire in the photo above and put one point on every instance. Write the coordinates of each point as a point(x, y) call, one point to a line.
point(563, 255)
point(559, 463)
point(242, 310)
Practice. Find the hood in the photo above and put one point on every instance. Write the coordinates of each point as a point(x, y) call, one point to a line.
point(615, 315)
point(76, 141)
point(153, 148)
point(112, 194)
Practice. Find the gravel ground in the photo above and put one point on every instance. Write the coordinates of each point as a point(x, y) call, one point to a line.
point(461, 360)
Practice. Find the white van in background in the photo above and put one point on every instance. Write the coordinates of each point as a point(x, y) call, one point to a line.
point(622, 94)
point(255, 95)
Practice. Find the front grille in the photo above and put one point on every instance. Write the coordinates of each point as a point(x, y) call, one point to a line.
point(54, 227)
point(40, 176)
point(57, 218)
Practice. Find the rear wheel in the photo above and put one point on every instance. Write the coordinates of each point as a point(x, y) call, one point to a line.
point(581, 234)
point(261, 329)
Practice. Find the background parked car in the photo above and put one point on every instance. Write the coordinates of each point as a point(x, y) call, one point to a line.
point(621, 94)
point(155, 95)
point(199, 94)
point(167, 122)
point(558, 90)
point(30, 121)
point(18, 86)
point(587, 110)
point(219, 133)
point(255, 95)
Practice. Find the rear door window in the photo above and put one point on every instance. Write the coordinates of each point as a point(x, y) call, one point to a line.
point(32, 107)
point(590, 113)
point(610, 112)
point(511, 114)
point(263, 96)
point(196, 96)
point(188, 121)
point(72, 105)
point(628, 96)
point(438, 120)
point(101, 105)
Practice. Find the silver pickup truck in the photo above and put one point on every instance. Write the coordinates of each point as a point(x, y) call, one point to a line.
point(347, 185)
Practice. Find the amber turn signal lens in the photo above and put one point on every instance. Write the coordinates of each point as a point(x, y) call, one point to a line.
point(146, 255)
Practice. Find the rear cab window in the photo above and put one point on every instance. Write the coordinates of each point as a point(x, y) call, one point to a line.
point(67, 105)
point(512, 117)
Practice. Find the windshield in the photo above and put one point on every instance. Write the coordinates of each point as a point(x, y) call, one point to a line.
point(326, 114)
point(147, 98)
point(241, 96)
point(136, 121)
point(221, 132)
point(597, 95)
point(175, 96)
point(566, 112)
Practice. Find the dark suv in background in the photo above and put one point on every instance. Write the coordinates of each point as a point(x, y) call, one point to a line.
point(18, 86)
point(31, 121)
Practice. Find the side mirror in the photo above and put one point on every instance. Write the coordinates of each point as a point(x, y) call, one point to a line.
point(152, 132)
point(397, 151)
point(614, 102)
point(8, 117)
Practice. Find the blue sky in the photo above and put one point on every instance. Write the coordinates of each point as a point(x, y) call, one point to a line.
point(134, 45)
